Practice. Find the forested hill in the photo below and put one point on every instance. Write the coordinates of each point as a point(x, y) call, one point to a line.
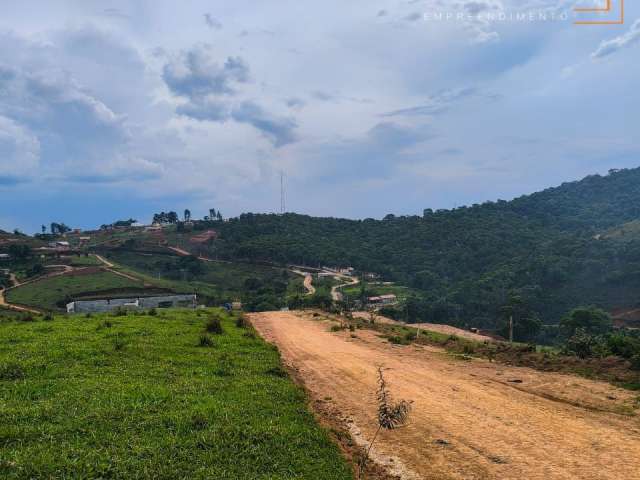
point(547, 249)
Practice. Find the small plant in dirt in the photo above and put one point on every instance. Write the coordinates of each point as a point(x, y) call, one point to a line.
point(391, 416)
point(205, 341)
point(337, 328)
point(352, 328)
point(214, 325)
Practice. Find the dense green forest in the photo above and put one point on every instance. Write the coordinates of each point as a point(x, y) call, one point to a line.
point(545, 253)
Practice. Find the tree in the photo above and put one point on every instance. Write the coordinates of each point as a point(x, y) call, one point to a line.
point(520, 320)
point(212, 213)
point(219, 216)
point(44, 229)
point(172, 217)
point(590, 320)
point(391, 416)
point(187, 215)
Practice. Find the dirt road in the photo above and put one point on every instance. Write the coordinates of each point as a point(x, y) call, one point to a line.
point(470, 419)
point(336, 294)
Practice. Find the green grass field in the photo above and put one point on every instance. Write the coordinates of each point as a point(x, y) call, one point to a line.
point(136, 397)
point(46, 293)
point(84, 261)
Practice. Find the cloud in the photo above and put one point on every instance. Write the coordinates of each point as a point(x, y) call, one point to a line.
point(279, 130)
point(211, 90)
point(436, 104)
point(206, 109)
point(414, 17)
point(212, 23)
point(19, 152)
point(53, 127)
point(609, 47)
point(375, 155)
point(295, 102)
point(196, 73)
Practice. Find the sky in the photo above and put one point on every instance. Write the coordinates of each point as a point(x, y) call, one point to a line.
point(118, 109)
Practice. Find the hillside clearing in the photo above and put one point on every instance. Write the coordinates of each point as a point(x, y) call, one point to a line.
point(471, 419)
point(138, 397)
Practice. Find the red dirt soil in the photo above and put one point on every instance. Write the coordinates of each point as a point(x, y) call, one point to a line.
point(470, 419)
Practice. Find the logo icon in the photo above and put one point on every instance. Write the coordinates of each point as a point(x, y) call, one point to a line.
point(611, 14)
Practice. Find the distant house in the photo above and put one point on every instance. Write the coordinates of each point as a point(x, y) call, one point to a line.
point(383, 300)
point(140, 303)
point(62, 245)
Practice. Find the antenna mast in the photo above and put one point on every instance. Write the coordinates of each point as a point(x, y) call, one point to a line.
point(283, 206)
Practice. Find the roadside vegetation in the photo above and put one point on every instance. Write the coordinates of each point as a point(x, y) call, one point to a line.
point(140, 396)
point(591, 347)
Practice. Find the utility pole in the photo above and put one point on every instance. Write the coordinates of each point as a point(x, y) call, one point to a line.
point(283, 206)
point(511, 328)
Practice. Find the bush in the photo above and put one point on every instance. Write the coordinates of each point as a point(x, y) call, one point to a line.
point(153, 312)
point(119, 343)
point(581, 344)
point(206, 341)
point(214, 325)
point(11, 371)
point(241, 321)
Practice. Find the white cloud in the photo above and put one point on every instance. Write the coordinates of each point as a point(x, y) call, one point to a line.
point(609, 47)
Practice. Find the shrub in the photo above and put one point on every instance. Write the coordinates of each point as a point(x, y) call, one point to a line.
point(11, 371)
point(26, 317)
point(337, 328)
point(153, 312)
point(277, 371)
point(581, 344)
point(225, 366)
point(214, 325)
point(199, 422)
point(635, 362)
point(206, 341)
point(410, 336)
point(119, 343)
point(48, 316)
point(241, 321)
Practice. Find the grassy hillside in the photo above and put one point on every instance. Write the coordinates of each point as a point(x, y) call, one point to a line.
point(138, 397)
point(259, 287)
point(52, 293)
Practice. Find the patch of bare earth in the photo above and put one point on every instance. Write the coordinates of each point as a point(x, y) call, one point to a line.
point(470, 419)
